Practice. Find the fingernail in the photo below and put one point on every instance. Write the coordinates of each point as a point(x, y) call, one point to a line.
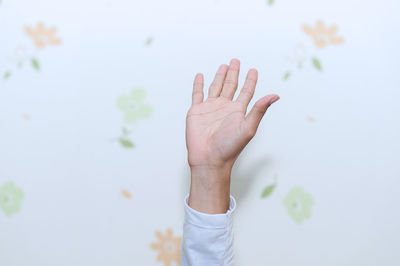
point(236, 59)
point(274, 99)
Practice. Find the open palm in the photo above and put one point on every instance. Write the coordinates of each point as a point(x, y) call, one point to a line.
point(218, 128)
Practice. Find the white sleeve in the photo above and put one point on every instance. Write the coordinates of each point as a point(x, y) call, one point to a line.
point(207, 238)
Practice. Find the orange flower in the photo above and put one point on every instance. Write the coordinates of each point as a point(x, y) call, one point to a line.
point(42, 36)
point(169, 248)
point(126, 194)
point(323, 36)
point(310, 119)
point(26, 117)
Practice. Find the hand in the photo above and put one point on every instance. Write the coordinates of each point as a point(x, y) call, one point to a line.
point(218, 129)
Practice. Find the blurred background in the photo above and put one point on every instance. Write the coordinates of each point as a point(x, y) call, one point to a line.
point(93, 100)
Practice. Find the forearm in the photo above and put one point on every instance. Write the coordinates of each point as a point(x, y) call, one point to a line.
point(210, 189)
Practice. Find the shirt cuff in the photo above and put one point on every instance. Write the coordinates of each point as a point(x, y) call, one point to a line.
point(206, 220)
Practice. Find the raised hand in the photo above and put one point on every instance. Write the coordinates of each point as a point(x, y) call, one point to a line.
point(218, 129)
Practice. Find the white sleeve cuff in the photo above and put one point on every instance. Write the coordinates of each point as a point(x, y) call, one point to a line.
point(207, 238)
point(206, 220)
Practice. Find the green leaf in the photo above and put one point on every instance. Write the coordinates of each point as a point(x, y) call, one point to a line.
point(316, 63)
point(126, 143)
point(35, 63)
point(300, 65)
point(149, 41)
point(267, 191)
point(287, 75)
point(125, 131)
point(270, 2)
point(7, 74)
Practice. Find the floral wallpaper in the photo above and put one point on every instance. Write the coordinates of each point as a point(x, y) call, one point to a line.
point(322, 36)
point(22, 55)
point(11, 198)
point(133, 109)
point(93, 98)
point(168, 247)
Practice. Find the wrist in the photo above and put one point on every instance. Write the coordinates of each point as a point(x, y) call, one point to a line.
point(210, 188)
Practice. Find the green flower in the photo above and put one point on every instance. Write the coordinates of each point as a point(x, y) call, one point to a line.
point(298, 204)
point(133, 107)
point(10, 198)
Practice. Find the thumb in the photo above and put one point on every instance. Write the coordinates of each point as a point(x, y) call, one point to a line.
point(256, 113)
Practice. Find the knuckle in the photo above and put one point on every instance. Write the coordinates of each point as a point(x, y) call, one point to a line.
point(219, 75)
point(250, 133)
point(251, 80)
point(247, 91)
point(259, 110)
point(197, 82)
point(230, 82)
point(234, 68)
point(197, 92)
